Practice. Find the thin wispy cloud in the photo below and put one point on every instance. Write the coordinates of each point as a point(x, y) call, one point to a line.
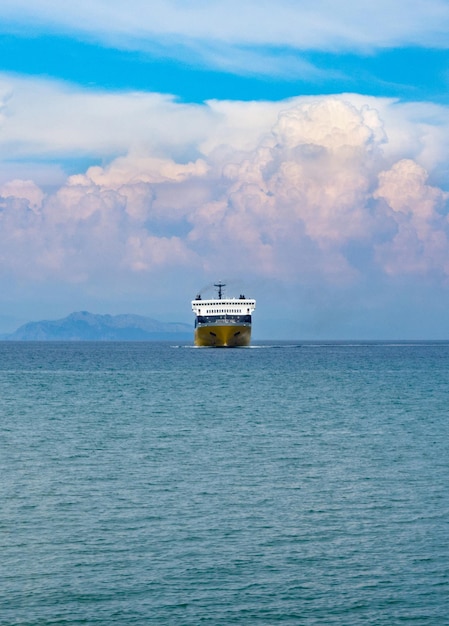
point(238, 36)
point(321, 24)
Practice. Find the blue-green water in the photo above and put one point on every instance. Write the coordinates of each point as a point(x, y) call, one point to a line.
point(145, 483)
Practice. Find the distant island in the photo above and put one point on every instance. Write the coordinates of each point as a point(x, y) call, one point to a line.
point(84, 326)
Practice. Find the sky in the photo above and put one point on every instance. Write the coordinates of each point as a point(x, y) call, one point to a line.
point(296, 150)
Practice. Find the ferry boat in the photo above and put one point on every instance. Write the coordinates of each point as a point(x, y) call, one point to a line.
point(223, 322)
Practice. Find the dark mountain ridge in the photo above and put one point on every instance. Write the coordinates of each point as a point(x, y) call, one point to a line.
point(84, 326)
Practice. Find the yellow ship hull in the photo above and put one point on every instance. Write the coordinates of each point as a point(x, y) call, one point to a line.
point(223, 336)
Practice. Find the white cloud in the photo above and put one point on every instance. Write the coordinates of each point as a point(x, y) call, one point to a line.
point(277, 190)
point(309, 24)
point(23, 190)
point(238, 36)
point(44, 118)
point(146, 169)
point(420, 243)
point(311, 190)
point(44, 121)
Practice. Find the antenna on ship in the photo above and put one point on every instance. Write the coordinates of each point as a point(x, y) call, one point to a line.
point(220, 289)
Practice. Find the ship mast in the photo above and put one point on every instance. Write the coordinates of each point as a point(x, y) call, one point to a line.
point(220, 289)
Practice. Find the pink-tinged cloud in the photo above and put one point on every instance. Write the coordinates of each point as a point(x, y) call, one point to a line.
point(310, 180)
point(420, 243)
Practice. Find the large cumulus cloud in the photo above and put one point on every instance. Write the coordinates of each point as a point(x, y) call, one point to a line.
point(289, 199)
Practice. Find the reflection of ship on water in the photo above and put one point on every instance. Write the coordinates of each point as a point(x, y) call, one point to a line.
point(223, 322)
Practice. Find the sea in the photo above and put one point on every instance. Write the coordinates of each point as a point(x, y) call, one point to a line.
point(285, 483)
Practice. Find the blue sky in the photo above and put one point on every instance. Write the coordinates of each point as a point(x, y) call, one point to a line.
point(409, 72)
point(297, 150)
